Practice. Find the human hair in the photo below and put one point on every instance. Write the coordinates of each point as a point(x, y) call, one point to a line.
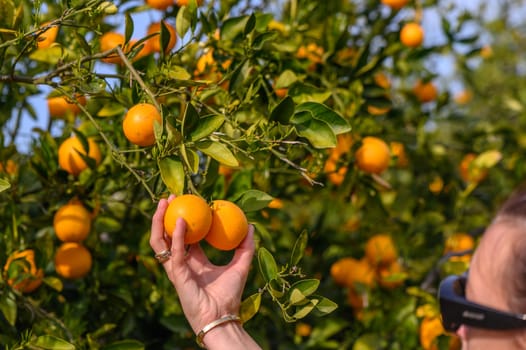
point(512, 213)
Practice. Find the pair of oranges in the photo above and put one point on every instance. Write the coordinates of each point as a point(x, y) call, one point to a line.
point(222, 224)
point(72, 225)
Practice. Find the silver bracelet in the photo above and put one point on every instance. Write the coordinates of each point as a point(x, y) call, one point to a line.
point(213, 324)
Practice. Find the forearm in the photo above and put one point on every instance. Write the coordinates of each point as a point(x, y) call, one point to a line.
point(229, 336)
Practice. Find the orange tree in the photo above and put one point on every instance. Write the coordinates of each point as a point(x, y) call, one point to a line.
point(264, 104)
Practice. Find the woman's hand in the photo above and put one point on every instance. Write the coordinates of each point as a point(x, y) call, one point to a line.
point(206, 291)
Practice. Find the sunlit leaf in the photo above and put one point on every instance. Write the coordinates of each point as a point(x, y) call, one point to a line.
point(321, 112)
point(52, 343)
point(8, 307)
point(319, 133)
point(172, 173)
point(267, 264)
point(299, 248)
point(233, 27)
point(250, 307)
point(206, 126)
point(219, 152)
point(253, 200)
point(4, 185)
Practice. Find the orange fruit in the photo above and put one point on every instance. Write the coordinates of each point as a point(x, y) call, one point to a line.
point(160, 4)
point(21, 272)
point(382, 80)
point(276, 203)
point(154, 43)
point(361, 272)
point(425, 91)
point(111, 40)
point(390, 276)
point(486, 51)
point(60, 106)
point(469, 172)
point(181, 3)
point(340, 269)
point(335, 174)
point(398, 151)
point(72, 222)
point(380, 250)
point(195, 211)
point(69, 158)
point(138, 124)
point(412, 34)
point(459, 242)
point(9, 167)
point(395, 4)
point(47, 37)
point(436, 185)
point(430, 329)
point(463, 97)
point(72, 260)
point(356, 300)
point(373, 156)
point(373, 110)
point(229, 225)
point(303, 329)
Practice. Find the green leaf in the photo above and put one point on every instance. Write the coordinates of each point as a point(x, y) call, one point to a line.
point(487, 159)
point(324, 306)
point(50, 55)
point(304, 310)
point(286, 79)
point(54, 282)
point(206, 126)
point(253, 200)
point(8, 307)
point(233, 27)
point(250, 307)
point(126, 344)
point(7, 13)
point(111, 109)
point(128, 27)
point(4, 185)
point(267, 265)
point(165, 36)
point(300, 290)
point(299, 248)
point(307, 93)
point(321, 112)
point(190, 120)
point(283, 111)
point(319, 134)
point(369, 341)
point(219, 152)
point(190, 157)
point(251, 24)
point(172, 173)
point(261, 39)
point(183, 21)
point(52, 343)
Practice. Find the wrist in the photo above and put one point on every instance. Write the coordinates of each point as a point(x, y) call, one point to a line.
point(228, 335)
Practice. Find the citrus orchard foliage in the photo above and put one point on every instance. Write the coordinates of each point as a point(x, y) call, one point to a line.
point(328, 124)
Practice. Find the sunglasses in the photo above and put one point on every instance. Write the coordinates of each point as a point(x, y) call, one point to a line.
point(456, 310)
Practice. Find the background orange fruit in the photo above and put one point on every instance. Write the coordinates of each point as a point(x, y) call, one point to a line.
point(195, 211)
point(373, 156)
point(72, 260)
point(380, 249)
point(160, 4)
point(138, 124)
point(154, 43)
point(229, 225)
point(395, 4)
point(412, 34)
point(21, 271)
point(72, 222)
point(69, 158)
point(111, 40)
point(425, 91)
point(47, 37)
point(469, 172)
point(59, 106)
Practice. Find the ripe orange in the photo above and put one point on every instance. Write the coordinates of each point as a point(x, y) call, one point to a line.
point(59, 106)
point(276, 203)
point(111, 40)
point(229, 225)
point(395, 4)
point(412, 34)
point(138, 124)
point(380, 249)
point(361, 273)
point(463, 97)
point(335, 174)
point(430, 329)
point(154, 43)
point(469, 172)
point(69, 158)
point(47, 37)
point(11, 168)
point(72, 222)
point(72, 260)
point(160, 4)
point(303, 329)
point(373, 156)
point(459, 242)
point(398, 150)
point(436, 185)
point(195, 211)
point(425, 91)
point(390, 276)
point(373, 110)
point(21, 272)
point(340, 269)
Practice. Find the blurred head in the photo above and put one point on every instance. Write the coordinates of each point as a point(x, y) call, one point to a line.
point(497, 276)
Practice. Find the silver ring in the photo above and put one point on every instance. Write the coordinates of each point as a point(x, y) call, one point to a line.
point(163, 256)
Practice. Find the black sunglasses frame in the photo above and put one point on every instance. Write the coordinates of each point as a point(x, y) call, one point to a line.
point(456, 310)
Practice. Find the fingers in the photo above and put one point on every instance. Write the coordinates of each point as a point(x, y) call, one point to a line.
point(244, 253)
point(177, 248)
point(157, 241)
